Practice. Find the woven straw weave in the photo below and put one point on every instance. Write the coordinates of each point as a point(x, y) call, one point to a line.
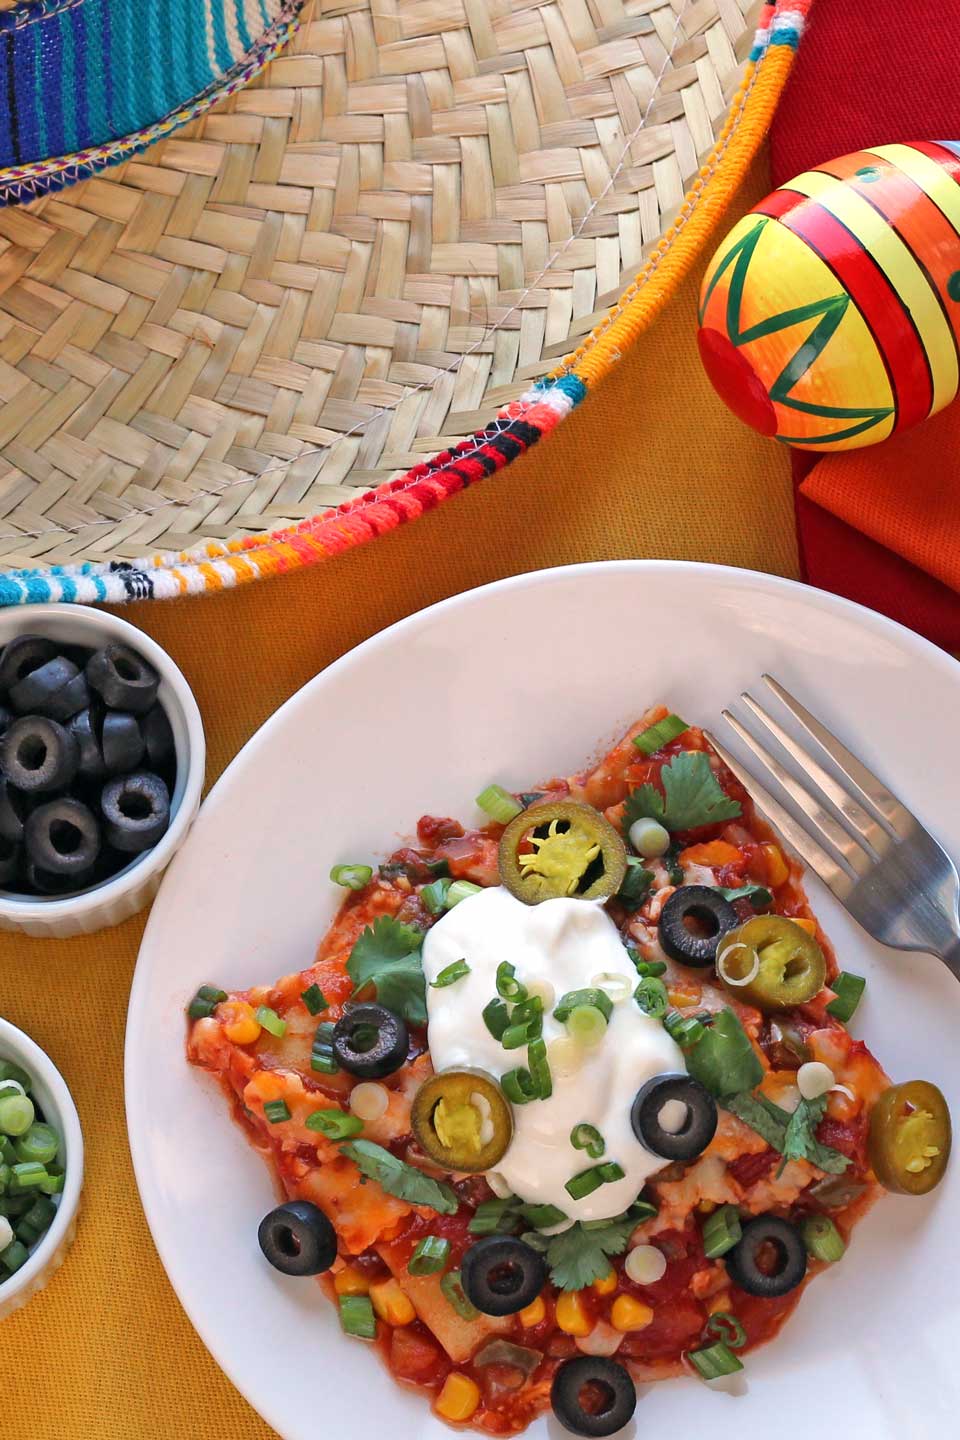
point(344, 268)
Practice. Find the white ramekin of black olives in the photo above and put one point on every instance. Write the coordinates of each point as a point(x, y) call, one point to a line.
point(101, 768)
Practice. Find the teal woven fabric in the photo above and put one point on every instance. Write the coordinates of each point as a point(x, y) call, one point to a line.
point(76, 74)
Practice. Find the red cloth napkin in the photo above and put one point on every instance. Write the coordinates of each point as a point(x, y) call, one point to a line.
point(871, 75)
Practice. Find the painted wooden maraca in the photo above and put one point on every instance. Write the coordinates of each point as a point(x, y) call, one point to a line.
point(830, 314)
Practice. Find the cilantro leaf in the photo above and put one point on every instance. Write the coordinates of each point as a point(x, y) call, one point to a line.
point(692, 796)
point(636, 884)
point(387, 954)
point(758, 895)
point(723, 1059)
point(398, 1178)
point(801, 1142)
point(767, 1119)
point(578, 1256)
point(793, 1135)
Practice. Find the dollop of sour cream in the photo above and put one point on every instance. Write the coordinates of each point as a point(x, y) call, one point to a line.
point(564, 944)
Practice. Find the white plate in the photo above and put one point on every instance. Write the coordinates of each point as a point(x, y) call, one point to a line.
point(516, 682)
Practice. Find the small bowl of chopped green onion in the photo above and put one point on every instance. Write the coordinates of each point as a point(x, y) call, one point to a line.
point(41, 1168)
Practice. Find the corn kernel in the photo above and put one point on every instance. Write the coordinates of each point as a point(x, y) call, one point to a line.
point(240, 1024)
point(391, 1304)
point(459, 1397)
point(777, 871)
point(572, 1316)
point(809, 925)
point(629, 1314)
point(350, 1281)
point(533, 1314)
point(720, 1301)
point(607, 1283)
point(706, 1207)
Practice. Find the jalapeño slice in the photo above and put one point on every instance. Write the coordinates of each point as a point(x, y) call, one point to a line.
point(561, 849)
point(462, 1120)
point(791, 966)
point(910, 1137)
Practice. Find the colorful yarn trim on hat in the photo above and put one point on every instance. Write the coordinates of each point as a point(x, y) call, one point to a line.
point(518, 426)
point(77, 99)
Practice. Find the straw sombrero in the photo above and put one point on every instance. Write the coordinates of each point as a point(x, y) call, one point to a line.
point(347, 282)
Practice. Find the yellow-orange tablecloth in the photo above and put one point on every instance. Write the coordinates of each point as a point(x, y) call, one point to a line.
point(651, 465)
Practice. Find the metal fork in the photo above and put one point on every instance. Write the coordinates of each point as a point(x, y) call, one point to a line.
point(879, 861)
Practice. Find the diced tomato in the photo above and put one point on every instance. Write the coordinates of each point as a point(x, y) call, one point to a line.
point(414, 1355)
point(762, 1318)
point(676, 1326)
point(847, 1136)
point(748, 1169)
point(431, 829)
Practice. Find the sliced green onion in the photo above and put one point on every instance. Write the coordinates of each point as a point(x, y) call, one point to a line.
point(848, 989)
point(540, 1243)
point(542, 1217)
point(672, 864)
point(648, 967)
point(508, 986)
point(52, 1185)
point(651, 995)
point(721, 1231)
point(636, 884)
point(726, 1327)
point(206, 1000)
point(588, 1137)
point(540, 1068)
point(499, 804)
point(450, 974)
point(519, 1086)
point(353, 877)
point(41, 1213)
point(9, 1071)
point(13, 1256)
point(334, 1124)
point(271, 1021)
point(642, 1210)
point(27, 1176)
point(714, 1361)
point(357, 1317)
point(496, 1017)
point(584, 1183)
point(17, 1113)
point(453, 1293)
point(514, 1037)
point(461, 890)
point(430, 1255)
point(321, 1055)
point(587, 1025)
point(493, 1216)
point(575, 999)
point(276, 1111)
point(528, 1012)
point(687, 1030)
point(656, 736)
point(314, 999)
point(822, 1238)
point(434, 896)
point(40, 1143)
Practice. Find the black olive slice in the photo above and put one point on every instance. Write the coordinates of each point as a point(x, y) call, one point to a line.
point(137, 811)
point(298, 1239)
point(371, 1041)
point(123, 679)
point(9, 860)
point(84, 728)
point(23, 654)
point(692, 923)
point(157, 736)
point(593, 1395)
point(62, 838)
point(38, 754)
point(57, 689)
point(121, 742)
point(674, 1116)
point(501, 1275)
point(769, 1259)
point(14, 808)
